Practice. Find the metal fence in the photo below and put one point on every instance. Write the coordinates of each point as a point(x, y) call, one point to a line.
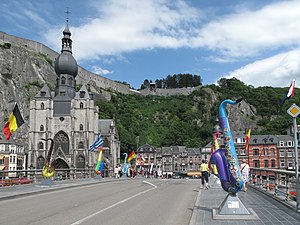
point(14, 177)
point(279, 183)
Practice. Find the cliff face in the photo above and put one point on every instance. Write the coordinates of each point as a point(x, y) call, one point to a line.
point(22, 74)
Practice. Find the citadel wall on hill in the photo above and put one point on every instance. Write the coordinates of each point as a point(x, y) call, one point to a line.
point(87, 77)
point(83, 77)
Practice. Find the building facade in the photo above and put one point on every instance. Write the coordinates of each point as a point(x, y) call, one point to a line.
point(168, 160)
point(70, 118)
point(12, 158)
point(265, 151)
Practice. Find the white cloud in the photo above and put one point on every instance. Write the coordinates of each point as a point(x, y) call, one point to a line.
point(248, 33)
point(100, 71)
point(126, 26)
point(276, 71)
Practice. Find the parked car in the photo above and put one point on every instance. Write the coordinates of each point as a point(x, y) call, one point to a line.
point(177, 175)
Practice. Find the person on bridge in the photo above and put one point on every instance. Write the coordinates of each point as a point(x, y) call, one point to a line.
point(245, 170)
point(117, 175)
point(204, 174)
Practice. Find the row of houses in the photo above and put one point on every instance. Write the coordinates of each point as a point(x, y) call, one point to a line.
point(265, 151)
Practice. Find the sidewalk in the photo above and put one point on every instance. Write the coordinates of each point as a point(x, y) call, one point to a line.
point(267, 209)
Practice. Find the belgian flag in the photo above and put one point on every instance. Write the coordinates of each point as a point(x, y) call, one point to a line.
point(14, 122)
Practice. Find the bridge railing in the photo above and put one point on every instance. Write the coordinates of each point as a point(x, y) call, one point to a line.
point(280, 183)
point(13, 177)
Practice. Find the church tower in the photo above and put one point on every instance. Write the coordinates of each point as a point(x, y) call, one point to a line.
point(66, 69)
point(70, 118)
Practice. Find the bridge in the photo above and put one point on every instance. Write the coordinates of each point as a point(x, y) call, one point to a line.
point(268, 200)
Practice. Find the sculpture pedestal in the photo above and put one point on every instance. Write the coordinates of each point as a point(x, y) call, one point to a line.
point(47, 182)
point(98, 177)
point(233, 208)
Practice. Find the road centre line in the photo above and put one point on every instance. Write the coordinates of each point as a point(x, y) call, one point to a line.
point(117, 203)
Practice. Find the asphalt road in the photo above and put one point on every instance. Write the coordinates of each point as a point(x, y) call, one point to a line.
point(126, 202)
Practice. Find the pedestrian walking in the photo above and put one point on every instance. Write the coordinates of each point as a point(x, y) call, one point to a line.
point(116, 171)
point(204, 174)
point(245, 170)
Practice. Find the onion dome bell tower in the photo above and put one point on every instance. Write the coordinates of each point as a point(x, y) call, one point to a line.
point(66, 69)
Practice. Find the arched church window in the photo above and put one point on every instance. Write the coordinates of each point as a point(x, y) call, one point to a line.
point(80, 162)
point(80, 144)
point(61, 143)
point(81, 127)
point(70, 81)
point(42, 106)
point(63, 80)
point(40, 162)
point(41, 145)
point(81, 105)
point(42, 127)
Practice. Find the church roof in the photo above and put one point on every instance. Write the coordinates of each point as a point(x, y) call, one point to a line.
point(83, 90)
point(104, 125)
point(44, 92)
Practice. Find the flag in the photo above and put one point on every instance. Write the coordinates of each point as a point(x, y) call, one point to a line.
point(248, 139)
point(98, 143)
point(131, 156)
point(14, 122)
point(289, 94)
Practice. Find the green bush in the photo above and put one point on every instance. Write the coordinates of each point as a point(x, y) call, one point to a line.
point(6, 45)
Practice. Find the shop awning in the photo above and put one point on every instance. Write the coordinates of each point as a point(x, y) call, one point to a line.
point(2, 167)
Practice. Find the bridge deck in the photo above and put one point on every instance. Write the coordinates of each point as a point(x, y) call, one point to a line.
point(267, 209)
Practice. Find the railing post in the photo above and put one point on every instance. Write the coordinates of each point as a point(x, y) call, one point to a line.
point(276, 183)
point(268, 181)
point(260, 180)
point(287, 189)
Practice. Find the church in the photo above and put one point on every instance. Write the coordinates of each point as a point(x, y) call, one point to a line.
point(70, 118)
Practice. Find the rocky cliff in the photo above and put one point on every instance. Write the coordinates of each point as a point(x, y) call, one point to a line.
point(22, 74)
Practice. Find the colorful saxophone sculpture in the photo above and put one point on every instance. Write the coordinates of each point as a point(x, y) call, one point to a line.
point(100, 164)
point(125, 166)
point(48, 170)
point(226, 159)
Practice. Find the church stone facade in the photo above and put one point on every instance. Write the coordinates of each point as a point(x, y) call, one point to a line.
point(70, 118)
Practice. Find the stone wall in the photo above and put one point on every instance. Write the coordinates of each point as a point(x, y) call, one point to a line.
point(168, 92)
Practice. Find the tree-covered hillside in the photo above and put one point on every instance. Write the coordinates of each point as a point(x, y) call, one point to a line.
point(189, 120)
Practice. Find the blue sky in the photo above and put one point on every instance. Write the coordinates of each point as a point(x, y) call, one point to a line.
point(255, 41)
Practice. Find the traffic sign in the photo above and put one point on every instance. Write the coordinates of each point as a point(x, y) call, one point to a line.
point(294, 110)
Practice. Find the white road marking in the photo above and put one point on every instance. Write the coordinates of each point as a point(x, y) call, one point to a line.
point(117, 203)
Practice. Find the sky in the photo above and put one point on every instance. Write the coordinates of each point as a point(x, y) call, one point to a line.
point(257, 41)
